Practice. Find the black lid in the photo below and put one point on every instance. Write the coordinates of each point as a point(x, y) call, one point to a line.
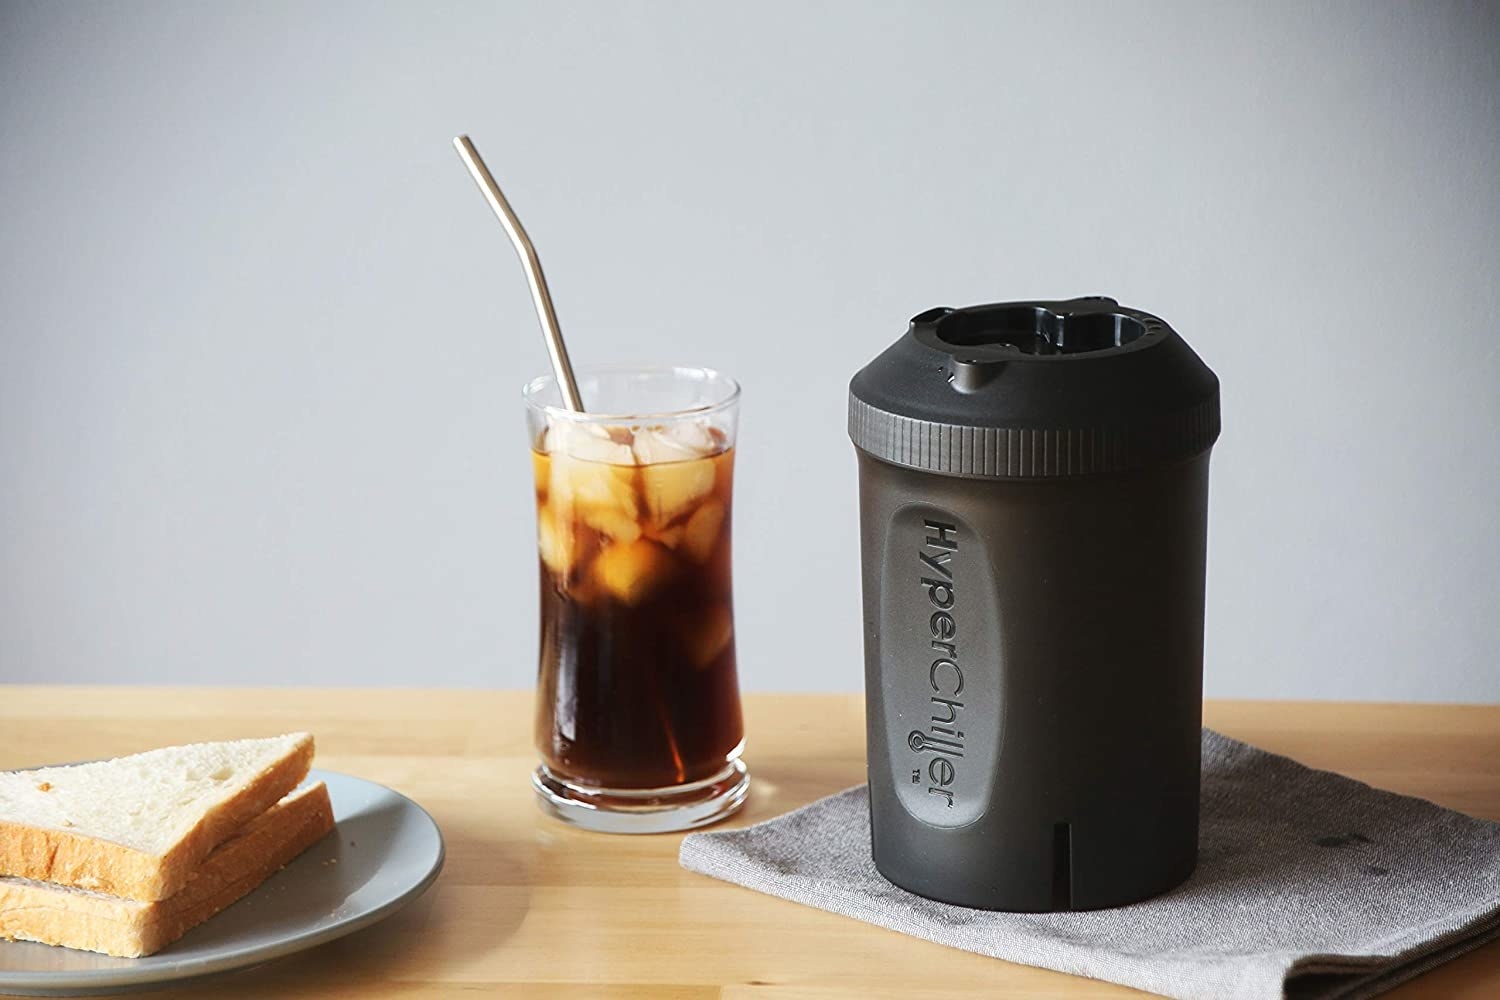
point(1033, 389)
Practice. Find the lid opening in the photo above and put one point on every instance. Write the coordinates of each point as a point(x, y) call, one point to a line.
point(1037, 330)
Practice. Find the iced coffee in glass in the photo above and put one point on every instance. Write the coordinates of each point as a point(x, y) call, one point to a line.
point(638, 711)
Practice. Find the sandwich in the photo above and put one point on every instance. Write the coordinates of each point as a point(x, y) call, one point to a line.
point(125, 856)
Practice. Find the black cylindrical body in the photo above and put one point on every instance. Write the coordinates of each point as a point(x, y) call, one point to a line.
point(1033, 509)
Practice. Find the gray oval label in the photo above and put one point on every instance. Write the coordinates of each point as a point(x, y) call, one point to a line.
point(940, 649)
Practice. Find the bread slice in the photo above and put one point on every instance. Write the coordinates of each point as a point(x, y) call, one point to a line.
point(137, 826)
point(78, 918)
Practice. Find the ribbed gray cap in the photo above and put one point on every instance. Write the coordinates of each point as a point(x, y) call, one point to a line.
point(1025, 390)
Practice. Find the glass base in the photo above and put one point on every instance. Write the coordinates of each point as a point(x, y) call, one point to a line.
point(643, 810)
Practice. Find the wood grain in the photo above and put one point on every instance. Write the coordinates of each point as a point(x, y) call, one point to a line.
point(529, 906)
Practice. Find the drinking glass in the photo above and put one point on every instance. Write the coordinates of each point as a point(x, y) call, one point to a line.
point(638, 720)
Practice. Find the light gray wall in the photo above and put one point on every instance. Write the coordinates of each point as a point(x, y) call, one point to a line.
point(262, 342)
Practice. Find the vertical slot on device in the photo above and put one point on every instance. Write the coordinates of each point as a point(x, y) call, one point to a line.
point(1062, 866)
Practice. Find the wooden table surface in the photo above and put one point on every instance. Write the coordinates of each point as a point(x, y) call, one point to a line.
point(547, 911)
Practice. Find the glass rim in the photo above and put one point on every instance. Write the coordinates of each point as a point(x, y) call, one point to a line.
point(533, 388)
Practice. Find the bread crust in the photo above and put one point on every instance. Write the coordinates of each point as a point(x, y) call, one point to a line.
point(30, 911)
point(44, 854)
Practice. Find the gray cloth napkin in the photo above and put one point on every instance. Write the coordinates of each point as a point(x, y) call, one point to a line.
point(1309, 885)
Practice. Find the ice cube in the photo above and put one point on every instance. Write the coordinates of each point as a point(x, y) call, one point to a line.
point(632, 570)
point(592, 477)
point(551, 542)
point(677, 442)
point(612, 521)
point(601, 494)
point(671, 489)
point(708, 636)
point(541, 474)
point(576, 483)
point(590, 443)
point(695, 434)
point(702, 530)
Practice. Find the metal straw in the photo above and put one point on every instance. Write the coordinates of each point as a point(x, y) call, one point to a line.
point(542, 298)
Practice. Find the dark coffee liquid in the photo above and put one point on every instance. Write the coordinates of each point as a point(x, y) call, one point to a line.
point(637, 685)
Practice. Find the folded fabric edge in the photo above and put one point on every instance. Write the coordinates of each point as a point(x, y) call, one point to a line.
point(1388, 972)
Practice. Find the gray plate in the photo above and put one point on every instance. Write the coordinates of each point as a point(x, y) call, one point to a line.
point(385, 852)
